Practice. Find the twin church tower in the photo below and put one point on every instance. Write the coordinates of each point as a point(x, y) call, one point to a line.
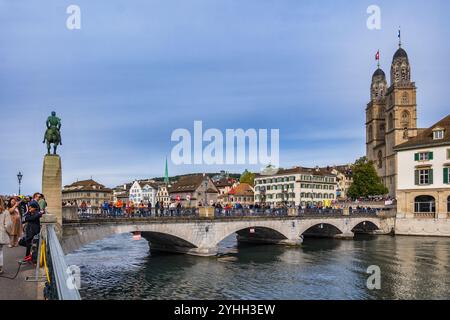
point(391, 117)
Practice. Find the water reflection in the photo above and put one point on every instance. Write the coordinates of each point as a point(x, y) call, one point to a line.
point(411, 268)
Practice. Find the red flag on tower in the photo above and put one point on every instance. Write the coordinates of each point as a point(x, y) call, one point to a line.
point(377, 56)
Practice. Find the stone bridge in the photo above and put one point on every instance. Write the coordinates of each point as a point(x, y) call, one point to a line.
point(201, 236)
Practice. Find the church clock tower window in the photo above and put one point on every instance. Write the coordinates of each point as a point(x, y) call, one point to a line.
point(405, 98)
point(391, 121)
point(405, 119)
point(380, 159)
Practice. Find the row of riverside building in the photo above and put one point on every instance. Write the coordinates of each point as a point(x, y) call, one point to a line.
point(294, 186)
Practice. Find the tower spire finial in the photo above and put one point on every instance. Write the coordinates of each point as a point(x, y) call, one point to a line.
point(377, 57)
point(399, 37)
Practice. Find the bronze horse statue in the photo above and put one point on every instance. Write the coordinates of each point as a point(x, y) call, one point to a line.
point(53, 134)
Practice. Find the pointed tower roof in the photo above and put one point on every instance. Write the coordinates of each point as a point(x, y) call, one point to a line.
point(166, 174)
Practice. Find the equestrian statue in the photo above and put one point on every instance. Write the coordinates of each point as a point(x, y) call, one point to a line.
point(53, 133)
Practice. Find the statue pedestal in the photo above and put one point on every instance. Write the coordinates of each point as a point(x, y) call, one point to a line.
point(206, 212)
point(52, 185)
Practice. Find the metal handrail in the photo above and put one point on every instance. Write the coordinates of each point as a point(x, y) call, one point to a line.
point(60, 270)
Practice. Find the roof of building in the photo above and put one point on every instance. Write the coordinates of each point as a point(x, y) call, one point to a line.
point(345, 169)
point(189, 183)
point(379, 72)
point(151, 183)
point(425, 138)
point(400, 53)
point(297, 170)
point(224, 182)
point(86, 185)
point(242, 189)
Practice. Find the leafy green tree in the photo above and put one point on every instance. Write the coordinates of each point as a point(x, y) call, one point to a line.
point(247, 177)
point(366, 182)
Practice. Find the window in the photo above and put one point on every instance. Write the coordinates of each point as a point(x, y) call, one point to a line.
point(405, 98)
point(380, 159)
point(446, 175)
point(438, 134)
point(391, 121)
point(423, 156)
point(370, 133)
point(424, 177)
point(424, 204)
point(405, 119)
point(448, 153)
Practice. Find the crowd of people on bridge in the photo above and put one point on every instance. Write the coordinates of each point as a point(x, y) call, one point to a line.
point(20, 223)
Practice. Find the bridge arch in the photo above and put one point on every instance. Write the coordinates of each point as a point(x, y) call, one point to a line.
point(318, 223)
point(258, 231)
point(371, 224)
point(159, 235)
point(325, 229)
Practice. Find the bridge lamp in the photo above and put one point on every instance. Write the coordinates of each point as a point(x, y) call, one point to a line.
point(19, 178)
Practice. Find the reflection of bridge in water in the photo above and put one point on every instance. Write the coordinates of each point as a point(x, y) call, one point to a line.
point(183, 231)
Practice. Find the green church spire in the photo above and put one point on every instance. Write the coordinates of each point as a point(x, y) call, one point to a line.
point(166, 174)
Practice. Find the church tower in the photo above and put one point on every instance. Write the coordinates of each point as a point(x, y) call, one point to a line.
point(401, 113)
point(375, 121)
point(391, 116)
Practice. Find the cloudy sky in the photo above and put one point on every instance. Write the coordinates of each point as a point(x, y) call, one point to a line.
point(139, 69)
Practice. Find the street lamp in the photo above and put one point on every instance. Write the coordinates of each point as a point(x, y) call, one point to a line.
point(19, 178)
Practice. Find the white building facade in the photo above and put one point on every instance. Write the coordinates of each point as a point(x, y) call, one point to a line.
point(296, 186)
point(423, 189)
point(143, 191)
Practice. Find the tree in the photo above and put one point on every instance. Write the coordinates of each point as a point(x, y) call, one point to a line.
point(366, 182)
point(247, 177)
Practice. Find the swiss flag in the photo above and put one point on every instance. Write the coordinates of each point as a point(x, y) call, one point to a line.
point(377, 56)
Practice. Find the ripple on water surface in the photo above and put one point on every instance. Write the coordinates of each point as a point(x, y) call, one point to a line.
point(411, 268)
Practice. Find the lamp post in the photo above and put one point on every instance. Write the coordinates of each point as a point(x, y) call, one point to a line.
point(19, 178)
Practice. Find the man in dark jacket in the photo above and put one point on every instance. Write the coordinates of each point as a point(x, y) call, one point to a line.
point(33, 227)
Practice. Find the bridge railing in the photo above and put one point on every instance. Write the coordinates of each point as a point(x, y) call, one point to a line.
point(222, 213)
point(60, 282)
point(250, 212)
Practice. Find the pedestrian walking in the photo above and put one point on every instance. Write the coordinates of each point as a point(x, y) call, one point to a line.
point(4, 239)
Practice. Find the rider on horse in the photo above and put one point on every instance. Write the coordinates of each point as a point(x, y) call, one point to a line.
point(53, 134)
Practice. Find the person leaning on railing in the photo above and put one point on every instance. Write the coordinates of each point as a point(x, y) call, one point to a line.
point(33, 227)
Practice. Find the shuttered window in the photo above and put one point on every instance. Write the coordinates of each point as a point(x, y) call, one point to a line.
point(423, 177)
point(446, 175)
point(423, 156)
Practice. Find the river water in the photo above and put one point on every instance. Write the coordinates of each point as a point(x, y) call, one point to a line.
point(411, 268)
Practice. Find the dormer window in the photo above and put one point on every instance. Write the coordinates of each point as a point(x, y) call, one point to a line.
point(438, 134)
